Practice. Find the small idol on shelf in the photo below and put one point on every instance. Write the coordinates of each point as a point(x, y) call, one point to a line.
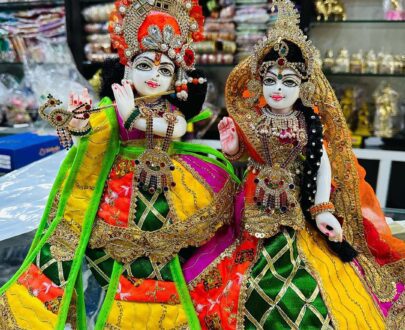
point(387, 119)
point(357, 62)
point(348, 105)
point(342, 62)
point(330, 10)
point(329, 61)
point(394, 10)
point(371, 63)
point(399, 64)
point(364, 126)
point(385, 63)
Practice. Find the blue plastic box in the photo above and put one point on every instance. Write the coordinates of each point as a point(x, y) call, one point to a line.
point(22, 149)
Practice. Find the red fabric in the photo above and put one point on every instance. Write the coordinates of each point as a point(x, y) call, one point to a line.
point(145, 290)
point(385, 247)
point(378, 246)
point(216, 297)
point(115, 202)
point(160, 20)
point(40, 286)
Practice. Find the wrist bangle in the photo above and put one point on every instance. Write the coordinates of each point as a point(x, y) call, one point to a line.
point(238, 154)
point(80, 132)
point(135, 114)
point(321, 208)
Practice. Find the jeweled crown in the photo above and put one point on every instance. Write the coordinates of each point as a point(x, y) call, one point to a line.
point(286, 28)
point(167, 26)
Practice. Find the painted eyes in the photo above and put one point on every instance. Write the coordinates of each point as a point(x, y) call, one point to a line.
point(269, 81)
point(165, 71)
point(290, 83)
point(143, 66)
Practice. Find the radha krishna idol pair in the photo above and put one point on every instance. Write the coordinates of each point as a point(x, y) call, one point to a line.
point(302, 244)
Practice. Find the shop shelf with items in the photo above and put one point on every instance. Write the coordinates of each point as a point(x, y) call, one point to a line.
point(23, 5)
point(31, 37)
point(362, 55)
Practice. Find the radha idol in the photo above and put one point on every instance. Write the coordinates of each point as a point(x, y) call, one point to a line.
point(130, 198)
point(314, 250)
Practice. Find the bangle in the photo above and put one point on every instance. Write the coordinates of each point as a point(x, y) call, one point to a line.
point(238, 154)
point(321, 208)
point(79, 132)
point(128, 123)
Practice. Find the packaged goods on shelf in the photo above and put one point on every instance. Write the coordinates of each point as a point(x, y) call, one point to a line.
point(22, 33)
point(364, 63)
point(98, 46)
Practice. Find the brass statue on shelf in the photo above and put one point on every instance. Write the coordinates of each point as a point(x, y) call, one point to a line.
point(363, 122)
point(342, 62)
point(327, 9)
point(357, 62)
point(371, 63)
point(328, 61)
point(387, 121)
point(348, 104)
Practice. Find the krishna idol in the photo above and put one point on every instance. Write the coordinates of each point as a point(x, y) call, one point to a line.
point(314, 250)
point(130, 198)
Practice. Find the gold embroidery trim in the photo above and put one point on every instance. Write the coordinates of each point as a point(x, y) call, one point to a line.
point(243, 293)
point(127, 244)
point(63, 242)
point(396, 316)
point(261, 225)
point(7, 320)
point(227, 253)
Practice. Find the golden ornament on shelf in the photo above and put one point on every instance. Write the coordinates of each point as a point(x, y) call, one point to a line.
point(348, 104)
point(328, 61)
point(398, 64)
point(327, 9)
point(363, 122)
point(371, 63)
point(387, 121)
point(357, 63)
point(385, 63)
point(342, 62)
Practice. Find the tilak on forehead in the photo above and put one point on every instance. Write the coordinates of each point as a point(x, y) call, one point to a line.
point(158, 57)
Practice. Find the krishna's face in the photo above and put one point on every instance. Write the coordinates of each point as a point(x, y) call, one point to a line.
point(152, 73)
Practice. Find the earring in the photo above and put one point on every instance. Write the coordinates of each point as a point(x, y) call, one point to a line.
point(181, 85)
point(307, 90)
point(255, 88)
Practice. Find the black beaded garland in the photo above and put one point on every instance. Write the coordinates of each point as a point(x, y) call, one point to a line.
point(311, 166)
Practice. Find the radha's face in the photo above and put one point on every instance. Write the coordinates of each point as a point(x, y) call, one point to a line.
point(152, 73)
point(281, 90)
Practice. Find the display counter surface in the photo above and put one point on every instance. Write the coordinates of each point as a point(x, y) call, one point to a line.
point(23, 195)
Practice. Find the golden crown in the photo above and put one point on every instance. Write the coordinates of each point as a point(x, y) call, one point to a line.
point(285, 28)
